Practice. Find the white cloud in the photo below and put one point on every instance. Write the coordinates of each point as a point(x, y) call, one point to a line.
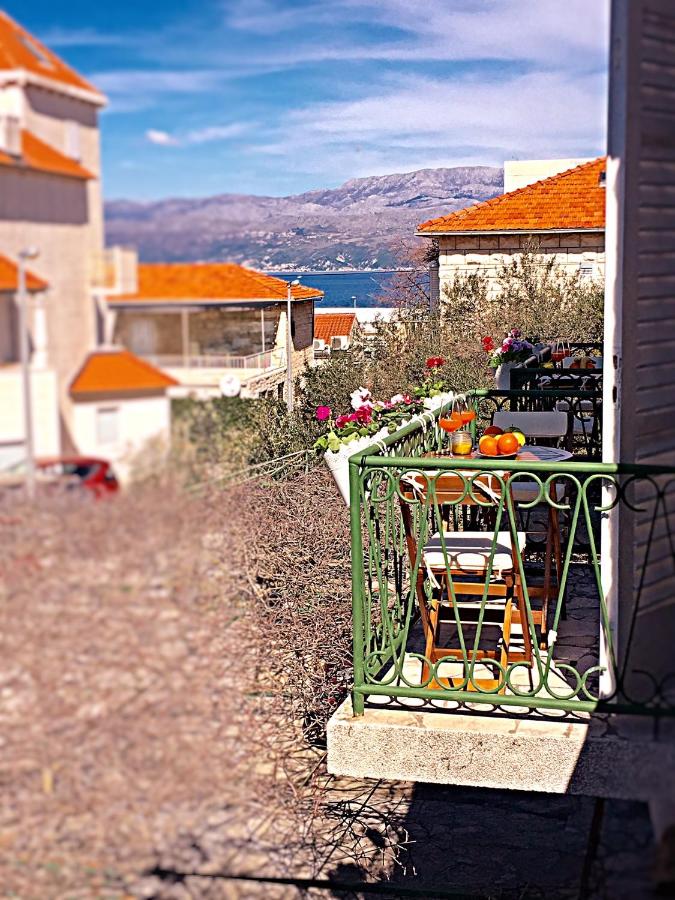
point(197, 136)
point(414, 122)
point(216, 133)
point(545, 32)
point(161, 138)
point(82, 37)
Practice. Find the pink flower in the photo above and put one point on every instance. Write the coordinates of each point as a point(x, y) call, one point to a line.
point(323, 413)
point(364, 414)
point(341, 421)
point(396, 399)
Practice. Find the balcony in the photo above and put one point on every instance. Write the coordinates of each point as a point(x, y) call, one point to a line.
point(490, 620)
point(255, 372)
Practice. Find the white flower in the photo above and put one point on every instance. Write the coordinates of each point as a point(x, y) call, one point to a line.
point(360, 397)
point(397, 398)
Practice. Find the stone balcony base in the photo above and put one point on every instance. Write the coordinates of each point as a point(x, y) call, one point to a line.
point(593, 756)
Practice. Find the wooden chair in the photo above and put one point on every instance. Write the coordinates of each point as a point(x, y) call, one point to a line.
point(545, 427)
point(469, 573)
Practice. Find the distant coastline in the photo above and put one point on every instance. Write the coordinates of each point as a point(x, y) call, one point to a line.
point(347, 288)
point(315, 272)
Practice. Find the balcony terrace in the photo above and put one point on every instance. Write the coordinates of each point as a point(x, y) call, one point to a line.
point(489, 620)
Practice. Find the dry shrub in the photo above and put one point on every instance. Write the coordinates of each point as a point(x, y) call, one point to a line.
point(532, 292)
point(138, 705)
point(299, 550)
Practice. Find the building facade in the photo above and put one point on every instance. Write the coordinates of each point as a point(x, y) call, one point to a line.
point(561, 217)
point(205, 322)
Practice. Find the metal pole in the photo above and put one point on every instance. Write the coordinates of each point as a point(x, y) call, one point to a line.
point(24, 351)
point(185, 335)
point(289, 351)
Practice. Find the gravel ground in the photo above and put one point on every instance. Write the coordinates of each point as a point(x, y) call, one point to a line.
point(146, 750)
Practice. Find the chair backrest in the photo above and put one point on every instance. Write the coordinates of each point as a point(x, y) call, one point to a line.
point(470, 489)
point(542, 424)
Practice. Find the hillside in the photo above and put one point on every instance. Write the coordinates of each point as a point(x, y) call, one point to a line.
point(358, 225)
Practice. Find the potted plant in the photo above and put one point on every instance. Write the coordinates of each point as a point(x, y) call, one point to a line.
point(513, 350)
point(369, 421)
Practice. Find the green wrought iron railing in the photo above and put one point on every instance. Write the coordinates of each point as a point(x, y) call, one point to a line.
point(479, 581)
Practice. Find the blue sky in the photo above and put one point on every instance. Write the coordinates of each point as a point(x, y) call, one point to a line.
point(280, 96)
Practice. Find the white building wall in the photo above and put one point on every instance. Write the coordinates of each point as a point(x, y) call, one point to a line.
point(46, 430)
point(144, 425)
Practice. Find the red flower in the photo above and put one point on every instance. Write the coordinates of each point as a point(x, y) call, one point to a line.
point(341, 421)
point(435, 362)
point(488, 344)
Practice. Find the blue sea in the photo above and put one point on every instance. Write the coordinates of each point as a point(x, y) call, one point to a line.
point(340, 288)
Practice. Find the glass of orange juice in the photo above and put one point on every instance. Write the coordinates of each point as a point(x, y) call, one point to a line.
point(462, 443)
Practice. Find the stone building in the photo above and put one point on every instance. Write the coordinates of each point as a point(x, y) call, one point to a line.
point(562, 217)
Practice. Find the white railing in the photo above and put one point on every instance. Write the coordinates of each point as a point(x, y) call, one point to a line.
point(270, 359)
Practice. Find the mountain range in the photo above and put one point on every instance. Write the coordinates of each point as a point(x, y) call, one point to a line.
point(360, 225)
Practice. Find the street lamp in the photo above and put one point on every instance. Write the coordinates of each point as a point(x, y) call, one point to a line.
point(289, 345)
point(24, 351)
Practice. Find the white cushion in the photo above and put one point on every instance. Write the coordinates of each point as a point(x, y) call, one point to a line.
point(469, 551)
point(547, 423)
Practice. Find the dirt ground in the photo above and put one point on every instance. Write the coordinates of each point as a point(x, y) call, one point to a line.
point(147, 747)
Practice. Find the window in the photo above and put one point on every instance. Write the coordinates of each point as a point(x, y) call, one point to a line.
point(73, 149)
point(107, 424)
point(143, 336)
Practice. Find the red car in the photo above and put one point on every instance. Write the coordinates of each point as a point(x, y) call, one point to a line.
point(96, 475)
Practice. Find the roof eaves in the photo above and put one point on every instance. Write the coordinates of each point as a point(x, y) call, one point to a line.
point(24, 77)
point(497, 231)
point(134, 300)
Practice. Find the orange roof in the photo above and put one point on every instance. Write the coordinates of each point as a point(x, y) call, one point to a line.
point(161, 282)
point(116, 371)
point(329, 325)
point(19, 50)
point(9, 277)
point(570, 201)
point(37, 155)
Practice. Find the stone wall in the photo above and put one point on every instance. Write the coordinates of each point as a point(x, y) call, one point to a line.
point(464, 254)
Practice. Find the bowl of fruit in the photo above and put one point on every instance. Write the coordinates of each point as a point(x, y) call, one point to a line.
point(500, 443)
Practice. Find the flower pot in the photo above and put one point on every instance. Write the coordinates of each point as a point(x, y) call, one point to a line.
point(503, 376)
point(338, 463)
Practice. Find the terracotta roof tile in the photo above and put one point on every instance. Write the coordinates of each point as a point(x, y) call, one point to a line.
point(329, 325)
point(571, 200)
point(167, 282)
point(41, 157)
point(9, 277)
point(116, 371)
point(20, 50)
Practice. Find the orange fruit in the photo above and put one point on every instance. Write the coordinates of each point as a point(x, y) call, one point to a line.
point(508, 443)
point(488, 445)
point(493, 429)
